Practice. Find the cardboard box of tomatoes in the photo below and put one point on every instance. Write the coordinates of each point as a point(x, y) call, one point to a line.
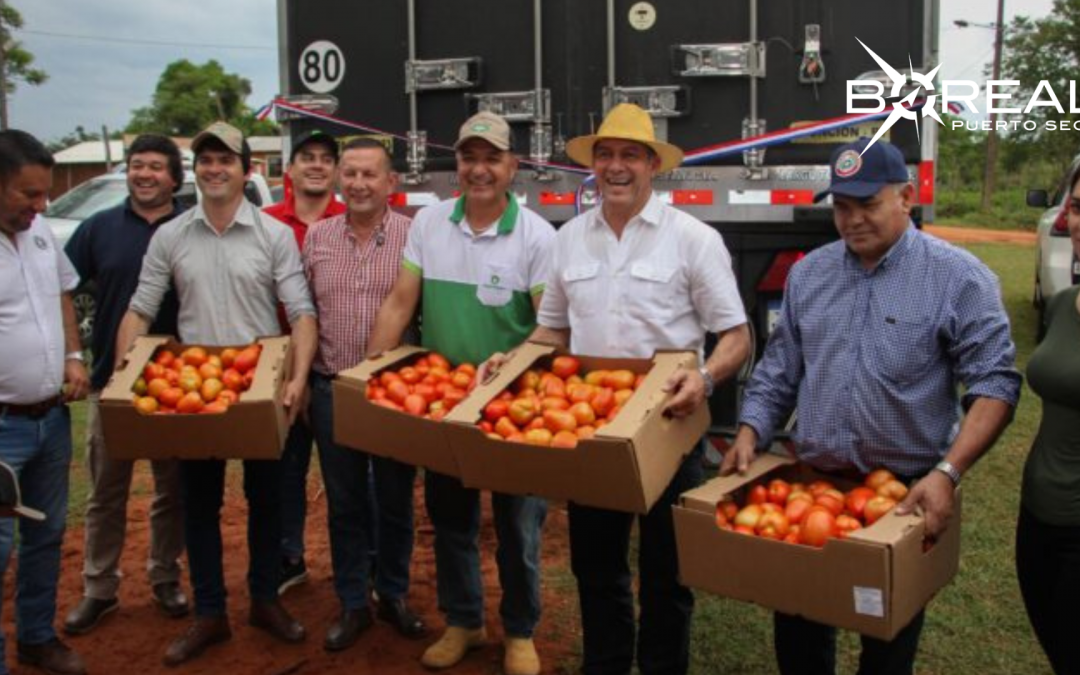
point(160, 405)
point(871, 576)
point(392, 406)
point(582, 429)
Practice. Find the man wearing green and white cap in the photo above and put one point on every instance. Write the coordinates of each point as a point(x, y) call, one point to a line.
point(478, 265)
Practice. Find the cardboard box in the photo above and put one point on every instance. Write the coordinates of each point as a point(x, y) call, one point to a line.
point(874, 582)
point(626, 467)
point(254, 427)
point(362, 425)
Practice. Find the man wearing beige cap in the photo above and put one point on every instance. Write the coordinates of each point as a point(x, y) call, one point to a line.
point(478, 265)
point(231, 266)
point(629, 278)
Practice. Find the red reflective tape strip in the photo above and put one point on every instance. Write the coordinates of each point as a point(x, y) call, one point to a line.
point(926, 183)
point(557, 198)
point(692, 197)
point(398, 199)
point(791, 197)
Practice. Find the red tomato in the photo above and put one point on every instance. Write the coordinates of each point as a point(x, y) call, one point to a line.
point(559, 420)
point(522, 411)
point(620, 379)
point(758, 495)
point(583, 413)
point(496, 409)
point(245, 360)
point(565, 366)
point(818, 526)
point(541, 437)
point(773, 525)
point(409, 375)
point(877, 478)
point(797, 507)
point(856, 498)
point(415, 404)
point(564, 439)
point(779, 491)
point(436, 360)
point(396, 391)
point(748, 516)
point(194, 356)
point(505, 428)
point(893, 489)
point(877, 507)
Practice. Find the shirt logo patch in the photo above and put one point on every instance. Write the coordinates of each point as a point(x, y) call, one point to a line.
point(41, 243)
point(495, 280)
point(848, 164)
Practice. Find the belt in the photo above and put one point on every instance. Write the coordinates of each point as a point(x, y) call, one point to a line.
point(31, 410)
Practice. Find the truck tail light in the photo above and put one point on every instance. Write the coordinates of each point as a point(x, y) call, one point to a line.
point(776, 278)
point(926, 183)
point(1061, 223)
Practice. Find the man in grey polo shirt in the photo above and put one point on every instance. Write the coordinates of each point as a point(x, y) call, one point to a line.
point(230, 265)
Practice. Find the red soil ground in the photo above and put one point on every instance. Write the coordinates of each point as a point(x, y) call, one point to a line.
point(134, 639)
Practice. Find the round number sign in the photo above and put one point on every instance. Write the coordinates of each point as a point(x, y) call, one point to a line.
point(322, 66)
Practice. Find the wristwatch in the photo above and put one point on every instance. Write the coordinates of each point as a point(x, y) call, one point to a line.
point(75, 356)
point(949, 470)
point(710, 384)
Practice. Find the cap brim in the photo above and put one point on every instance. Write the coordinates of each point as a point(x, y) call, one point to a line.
point(203, 136)
point(580, 150)
point(325, 141)
point(495, 143)
point(854, 189)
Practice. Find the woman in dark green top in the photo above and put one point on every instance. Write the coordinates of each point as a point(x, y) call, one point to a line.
point(1048, 531)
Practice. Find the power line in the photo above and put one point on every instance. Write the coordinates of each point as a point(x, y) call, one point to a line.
point(153, 43)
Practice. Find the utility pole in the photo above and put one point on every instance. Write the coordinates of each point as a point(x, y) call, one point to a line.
point(991, 138)
point(3, 71)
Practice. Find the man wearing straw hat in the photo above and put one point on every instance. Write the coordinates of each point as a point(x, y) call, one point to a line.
point(628, 278)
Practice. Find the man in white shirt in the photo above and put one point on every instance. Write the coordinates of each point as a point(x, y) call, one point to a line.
point(628, 278)
point(41, 370)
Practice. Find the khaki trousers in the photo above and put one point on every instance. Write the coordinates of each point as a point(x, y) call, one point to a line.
point(106, 516)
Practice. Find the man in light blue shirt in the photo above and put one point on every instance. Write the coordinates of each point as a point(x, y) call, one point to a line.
point(876, 333)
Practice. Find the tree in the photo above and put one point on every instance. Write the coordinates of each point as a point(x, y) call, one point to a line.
point(188, 97)
point(15, 61)
point(1046, 49)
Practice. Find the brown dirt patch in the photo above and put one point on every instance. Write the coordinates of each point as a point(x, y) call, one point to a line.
point(134, 639)
point(974, 235)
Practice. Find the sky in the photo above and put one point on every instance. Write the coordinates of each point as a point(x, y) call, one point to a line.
point(104, 57)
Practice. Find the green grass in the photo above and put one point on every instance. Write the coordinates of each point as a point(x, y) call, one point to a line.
point(1008, 210)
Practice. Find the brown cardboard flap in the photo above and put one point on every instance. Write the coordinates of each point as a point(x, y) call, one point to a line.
point(705, 498)
point(272, 370)
point(363, 371)
point(470, 409)
point(890, 527)
point(130, 369)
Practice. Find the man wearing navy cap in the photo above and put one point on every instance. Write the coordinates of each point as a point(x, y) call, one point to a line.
point(875, 333)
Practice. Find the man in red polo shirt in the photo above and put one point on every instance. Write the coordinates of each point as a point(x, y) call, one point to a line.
point(312, 167)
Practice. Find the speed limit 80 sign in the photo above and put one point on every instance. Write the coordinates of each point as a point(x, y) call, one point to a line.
point(322, 66)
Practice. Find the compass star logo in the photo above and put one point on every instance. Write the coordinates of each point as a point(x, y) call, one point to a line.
point(900, 108)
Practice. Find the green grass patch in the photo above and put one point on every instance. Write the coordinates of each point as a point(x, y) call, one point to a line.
point(1008, 210)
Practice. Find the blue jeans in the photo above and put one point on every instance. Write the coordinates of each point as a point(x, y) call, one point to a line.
point(39, 450)
point(345, 475)
point(295, 461)
point(455, 514)
point(393, 527)
point(599, 550)
point(203, 484)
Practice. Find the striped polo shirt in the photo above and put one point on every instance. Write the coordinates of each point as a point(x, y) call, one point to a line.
point(478, 289)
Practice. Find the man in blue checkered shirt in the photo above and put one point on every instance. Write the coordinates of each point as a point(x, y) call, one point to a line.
point(876, 333)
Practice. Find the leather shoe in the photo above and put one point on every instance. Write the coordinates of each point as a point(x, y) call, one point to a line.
point(344, 632)
point(87, 614)
point(272, 617)
point(397, 614)
point(53, 657)
point(171, 599)
point(202, 633)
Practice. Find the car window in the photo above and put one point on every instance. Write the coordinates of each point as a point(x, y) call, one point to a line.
point(87, 199)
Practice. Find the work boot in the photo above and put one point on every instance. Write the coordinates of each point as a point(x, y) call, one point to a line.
point(170, 599)
point(347, 629)
point(202, 633)
point(521, 657)
point(53, 657)
point(272, 617)
point(453, 646)
point(87, 614)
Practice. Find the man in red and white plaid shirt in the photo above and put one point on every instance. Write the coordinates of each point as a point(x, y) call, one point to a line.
point(351, 262)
